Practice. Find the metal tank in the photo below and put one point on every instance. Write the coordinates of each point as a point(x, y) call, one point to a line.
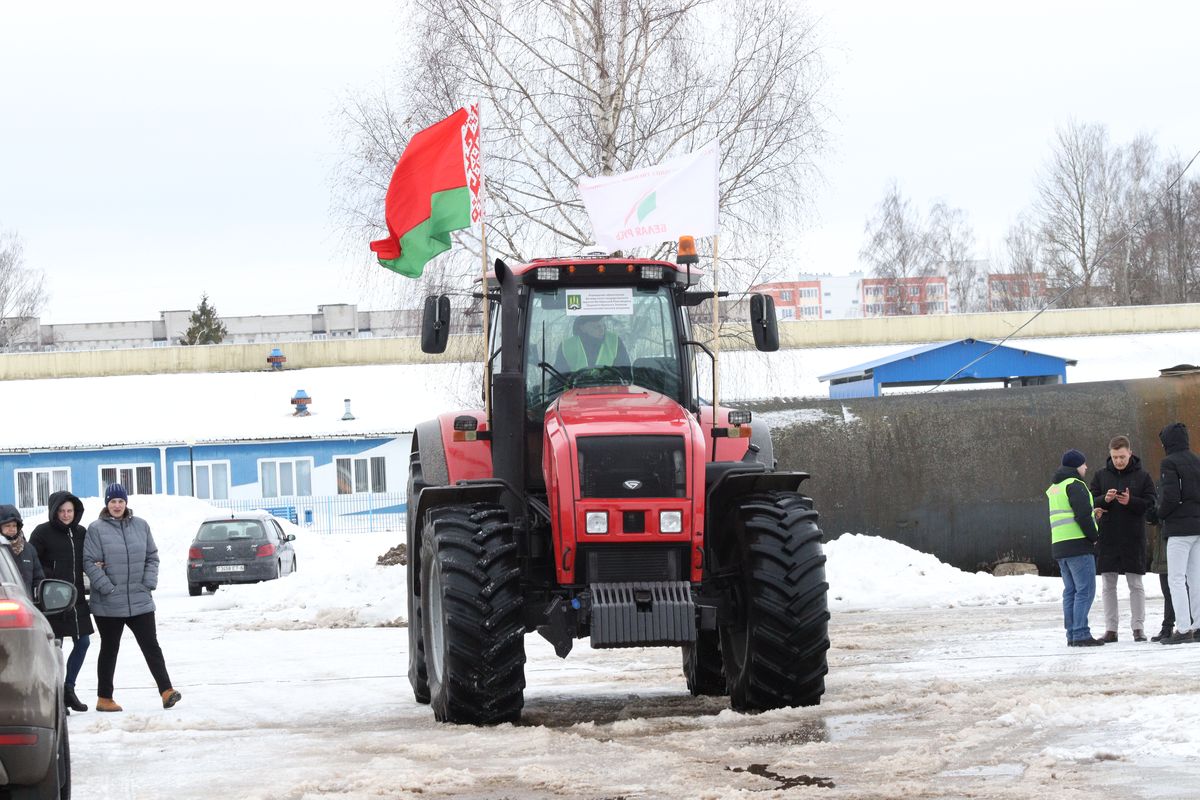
point(962, 475)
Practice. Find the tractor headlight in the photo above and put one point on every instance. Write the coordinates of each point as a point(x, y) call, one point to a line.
point(547, 273)
point(670, 521)
point(597, 522)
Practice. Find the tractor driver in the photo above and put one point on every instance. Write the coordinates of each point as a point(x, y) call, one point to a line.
point(592, 346)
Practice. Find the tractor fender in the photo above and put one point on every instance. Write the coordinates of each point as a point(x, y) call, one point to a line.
point(459, 494)
point(730, 480)
point(427, 440)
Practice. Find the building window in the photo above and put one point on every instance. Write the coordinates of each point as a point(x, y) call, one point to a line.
point(809, 293)
point(935, 290)
point(786, 296)
point(212, 479)
point(136, 478)
point(810, 311)
point(286, 478)
point(786, 313)
point(914, 291)
point(34, 486)
point(365, 474)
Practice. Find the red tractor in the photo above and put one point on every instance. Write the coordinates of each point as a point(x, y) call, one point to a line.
point(597, 496)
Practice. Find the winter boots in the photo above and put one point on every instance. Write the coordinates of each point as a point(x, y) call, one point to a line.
point(1139, 636)
point(170, 697)
point(72, 700)
point(1178, 638)
point(1164, 633)
point(1110, 636)
point(107, 704)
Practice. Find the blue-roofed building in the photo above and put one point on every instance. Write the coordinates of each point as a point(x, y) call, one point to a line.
point(963, 362)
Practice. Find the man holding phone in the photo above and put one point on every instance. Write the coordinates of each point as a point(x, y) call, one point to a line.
point(1122, 491)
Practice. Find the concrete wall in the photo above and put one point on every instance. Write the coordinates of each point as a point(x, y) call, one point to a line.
point(821, 333)
point(963, 475)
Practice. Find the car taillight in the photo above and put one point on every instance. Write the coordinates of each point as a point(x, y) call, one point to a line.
point(18, 739)
point(265, 550)
point(194, 552)
point(15, 614)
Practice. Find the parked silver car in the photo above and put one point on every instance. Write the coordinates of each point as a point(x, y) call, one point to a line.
point(239, 547)
point(35, 755)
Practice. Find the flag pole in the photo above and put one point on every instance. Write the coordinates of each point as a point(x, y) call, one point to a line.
point(716, 323)
point(487, 314)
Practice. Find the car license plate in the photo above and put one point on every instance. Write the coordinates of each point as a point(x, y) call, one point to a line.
point(232, 568)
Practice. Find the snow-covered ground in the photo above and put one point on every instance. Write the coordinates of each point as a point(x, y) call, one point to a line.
point(942, 684)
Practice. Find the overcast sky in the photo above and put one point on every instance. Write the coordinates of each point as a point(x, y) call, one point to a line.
point(150, 151)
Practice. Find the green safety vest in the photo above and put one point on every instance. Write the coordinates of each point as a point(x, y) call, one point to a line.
point(577, 357)
point(1063, 526)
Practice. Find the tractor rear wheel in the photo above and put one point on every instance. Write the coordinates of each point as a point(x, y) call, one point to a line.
point(417, 678)
point(774, 650)
point(471, 612)
point(702, 665)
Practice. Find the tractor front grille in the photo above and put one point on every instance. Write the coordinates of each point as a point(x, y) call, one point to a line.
point(632, 466)
point(641, 561)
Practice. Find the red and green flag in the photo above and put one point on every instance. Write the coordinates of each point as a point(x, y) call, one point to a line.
point(434, 190)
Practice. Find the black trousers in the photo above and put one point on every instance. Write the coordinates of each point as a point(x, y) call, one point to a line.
point(1168, 606)
point(146, 634)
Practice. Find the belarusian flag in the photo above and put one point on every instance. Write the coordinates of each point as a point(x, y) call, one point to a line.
point(434, 190)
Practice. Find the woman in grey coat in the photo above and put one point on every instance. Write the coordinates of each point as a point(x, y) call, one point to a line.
point(121, 561)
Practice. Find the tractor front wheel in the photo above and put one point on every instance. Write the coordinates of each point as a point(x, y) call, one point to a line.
point(774, 648)
point(471, 615)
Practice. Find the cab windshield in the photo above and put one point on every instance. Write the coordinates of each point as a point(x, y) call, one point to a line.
point(600, 337)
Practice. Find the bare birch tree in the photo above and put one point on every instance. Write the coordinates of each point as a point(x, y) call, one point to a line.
point(22, 295)
point(1024, 262)
point(593, 87)
point(1077, 208)
point(897, 247)
point(952, 242)
point(1177, 237)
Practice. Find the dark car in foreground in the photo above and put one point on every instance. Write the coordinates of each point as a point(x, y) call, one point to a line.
point(35, 755)
point(239, 547)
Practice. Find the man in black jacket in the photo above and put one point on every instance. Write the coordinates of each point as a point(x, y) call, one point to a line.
point(1179, 510)
point(59, 546)
point(1122, 491)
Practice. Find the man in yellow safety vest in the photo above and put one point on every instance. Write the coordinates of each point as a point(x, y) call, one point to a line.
point(591, 346)
point(1073, 539)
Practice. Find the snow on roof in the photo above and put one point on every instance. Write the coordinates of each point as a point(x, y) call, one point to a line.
point(152, 410)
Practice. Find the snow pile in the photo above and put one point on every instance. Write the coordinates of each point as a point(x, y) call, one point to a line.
point(868, 572)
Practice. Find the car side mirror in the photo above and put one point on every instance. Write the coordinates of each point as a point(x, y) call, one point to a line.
point(763, 323)
point(291, 537)
point(55, 596)
point(435, 324)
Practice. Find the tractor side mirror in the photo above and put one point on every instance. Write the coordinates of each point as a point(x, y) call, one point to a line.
point(435, 325)
point(763, 323)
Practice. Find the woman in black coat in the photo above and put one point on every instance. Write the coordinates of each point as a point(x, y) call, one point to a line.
point(1122, 492)
point(59, 546)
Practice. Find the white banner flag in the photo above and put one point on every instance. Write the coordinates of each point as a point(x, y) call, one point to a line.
point(655, 204)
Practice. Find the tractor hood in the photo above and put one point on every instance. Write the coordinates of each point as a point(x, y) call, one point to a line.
point(608, 410)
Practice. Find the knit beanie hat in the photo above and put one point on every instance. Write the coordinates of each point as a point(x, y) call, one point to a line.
point(1073, 459)
point(115, 491)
